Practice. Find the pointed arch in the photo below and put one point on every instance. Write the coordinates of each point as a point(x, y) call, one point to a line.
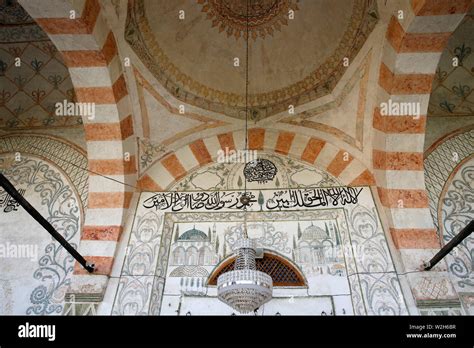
point(319, 153)
point(90, 52)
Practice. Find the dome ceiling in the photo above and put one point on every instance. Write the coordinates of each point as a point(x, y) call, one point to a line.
point(291, 61)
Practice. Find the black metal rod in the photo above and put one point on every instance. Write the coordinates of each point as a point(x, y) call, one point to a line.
point(465, 232)
point(12, 191)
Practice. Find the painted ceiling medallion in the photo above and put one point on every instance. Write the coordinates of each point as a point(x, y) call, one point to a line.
point(260, 170)
point(265, 16)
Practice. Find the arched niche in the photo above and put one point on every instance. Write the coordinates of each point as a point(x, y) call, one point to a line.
point(282, 270)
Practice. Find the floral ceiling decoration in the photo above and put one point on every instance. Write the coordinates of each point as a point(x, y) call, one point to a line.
point(33, 76)
point(265, 16)
point(453, 85)
point(172, 49)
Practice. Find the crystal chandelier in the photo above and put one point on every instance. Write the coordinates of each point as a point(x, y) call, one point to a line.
point(245, 289)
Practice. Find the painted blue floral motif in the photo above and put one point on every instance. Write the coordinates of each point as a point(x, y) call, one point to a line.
point(445, 105)
point(36, 64)
point(461, 91)
point(378, 279)
point(462, 52)
point(56, 265)
point(440, 74)
point(458, 211)
point(144, 246)
point(452, 87)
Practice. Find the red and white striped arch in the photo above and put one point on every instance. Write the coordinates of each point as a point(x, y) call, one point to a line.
point(90, 52)
point(176, 165)
point(411, 55)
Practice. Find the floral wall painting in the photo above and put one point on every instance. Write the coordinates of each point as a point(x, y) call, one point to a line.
point(40, 267)
point(449, 177)
point(456, 208)
point(453, 83)
point(29, 92)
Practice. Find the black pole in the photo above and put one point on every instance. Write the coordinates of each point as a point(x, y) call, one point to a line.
point(465, 232)
point(12, 191)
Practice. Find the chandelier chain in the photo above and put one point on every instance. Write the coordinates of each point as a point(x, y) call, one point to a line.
point(245, 288)
point(246, 107)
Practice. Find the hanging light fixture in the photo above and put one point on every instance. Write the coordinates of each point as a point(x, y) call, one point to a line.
point(245, 289)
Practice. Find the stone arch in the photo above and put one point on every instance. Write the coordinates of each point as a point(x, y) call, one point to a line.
point(179, 256)
point(411, 55)
point(319, 153)
point(410, 58)
point(90, 52)
point(446, 137)
point(192, 256)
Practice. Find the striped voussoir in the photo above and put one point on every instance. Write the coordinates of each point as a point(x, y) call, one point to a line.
point(90, 52)
point(411, 54)
point(174, 166)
